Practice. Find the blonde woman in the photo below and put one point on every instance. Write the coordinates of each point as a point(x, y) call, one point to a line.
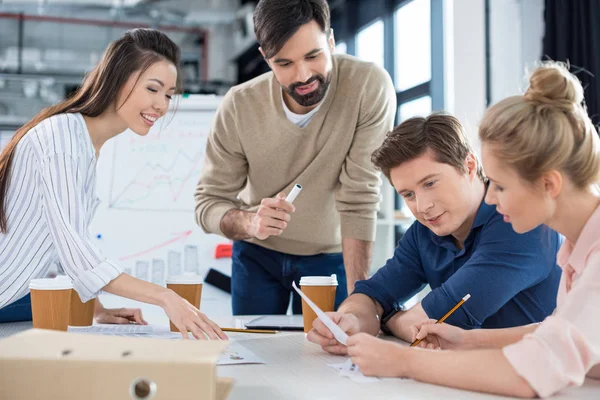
point(542, 156)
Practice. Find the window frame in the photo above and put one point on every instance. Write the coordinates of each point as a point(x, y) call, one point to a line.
point(353, 16)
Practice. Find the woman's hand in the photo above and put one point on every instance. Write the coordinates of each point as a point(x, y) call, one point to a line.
point(439, 336)
point(188, 318)
point(376, 357)
point(117, 315)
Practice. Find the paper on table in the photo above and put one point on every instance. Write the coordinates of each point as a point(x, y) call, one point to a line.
point(11, 328)
point(353, 372)
point(339, 334)
point(108, 329)
point(236, 354)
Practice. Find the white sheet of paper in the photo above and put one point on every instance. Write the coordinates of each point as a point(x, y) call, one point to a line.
point(236, 354)
point(352, 371)
point(109, 329)
point(338, 333)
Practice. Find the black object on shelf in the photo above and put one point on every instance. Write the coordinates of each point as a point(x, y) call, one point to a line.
point(218, 280)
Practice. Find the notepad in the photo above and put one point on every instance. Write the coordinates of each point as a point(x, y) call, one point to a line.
point(277, 322)
point(108, 329)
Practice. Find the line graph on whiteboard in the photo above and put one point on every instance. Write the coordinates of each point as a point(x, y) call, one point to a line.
point(162, 169)
point(145, 219)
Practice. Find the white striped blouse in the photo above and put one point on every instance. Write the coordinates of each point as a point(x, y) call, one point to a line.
point(50, 202)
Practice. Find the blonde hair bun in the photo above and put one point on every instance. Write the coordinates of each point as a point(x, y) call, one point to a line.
point(547, 128)
point(553, 84)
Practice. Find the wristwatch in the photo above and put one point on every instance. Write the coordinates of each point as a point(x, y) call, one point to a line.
point(385, 320)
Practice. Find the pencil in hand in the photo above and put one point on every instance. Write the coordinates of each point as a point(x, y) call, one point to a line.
point(449, 313)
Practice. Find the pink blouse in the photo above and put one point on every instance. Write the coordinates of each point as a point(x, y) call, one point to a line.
point(566, 346)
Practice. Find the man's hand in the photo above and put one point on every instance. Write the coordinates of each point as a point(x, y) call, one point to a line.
point(401, 324)
point(322, 336)
point(272, 217)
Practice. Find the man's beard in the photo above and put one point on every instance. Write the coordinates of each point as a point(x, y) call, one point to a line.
point(314, 97)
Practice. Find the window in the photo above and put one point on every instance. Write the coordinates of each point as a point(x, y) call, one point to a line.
point(406, 38)
point(369, 43)
point(420, 107)
point(341, 48)
point(412, 38)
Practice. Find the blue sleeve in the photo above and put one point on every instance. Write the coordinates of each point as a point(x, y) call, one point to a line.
point(503, 264)
point(401, 277)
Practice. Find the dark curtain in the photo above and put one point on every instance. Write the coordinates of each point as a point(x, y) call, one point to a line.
point(573, 35)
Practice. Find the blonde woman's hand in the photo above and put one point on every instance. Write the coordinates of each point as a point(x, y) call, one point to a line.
point(438, 336)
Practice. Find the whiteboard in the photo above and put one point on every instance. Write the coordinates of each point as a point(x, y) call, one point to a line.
point(145, 219)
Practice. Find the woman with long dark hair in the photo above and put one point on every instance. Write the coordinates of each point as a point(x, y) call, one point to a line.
point(48, 178)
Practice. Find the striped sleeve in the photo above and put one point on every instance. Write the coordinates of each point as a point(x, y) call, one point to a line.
point(63, 199)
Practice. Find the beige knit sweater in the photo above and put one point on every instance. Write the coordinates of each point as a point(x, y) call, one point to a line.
point(254, 151)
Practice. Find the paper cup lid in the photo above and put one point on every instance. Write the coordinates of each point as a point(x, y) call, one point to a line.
point(61, 282)
point(186, 279)
point(319, 280)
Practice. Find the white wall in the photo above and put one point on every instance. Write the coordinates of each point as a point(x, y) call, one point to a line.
point(220, 53)
point(516, 32)
point(464, 61)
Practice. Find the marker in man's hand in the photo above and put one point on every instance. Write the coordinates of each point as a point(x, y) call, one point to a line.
point(293, 194)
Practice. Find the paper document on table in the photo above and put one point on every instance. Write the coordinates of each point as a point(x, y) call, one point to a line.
point(339, 334)
point(11, 328)
point(116, 330)
point(353, 372)
point(236, 354)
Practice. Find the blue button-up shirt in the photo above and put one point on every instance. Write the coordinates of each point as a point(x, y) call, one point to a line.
point(512, 278)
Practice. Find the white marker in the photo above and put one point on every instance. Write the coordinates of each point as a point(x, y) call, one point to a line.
point(294, 193)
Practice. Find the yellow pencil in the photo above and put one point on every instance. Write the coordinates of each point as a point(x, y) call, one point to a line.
point(248, 330)
point(441, 320)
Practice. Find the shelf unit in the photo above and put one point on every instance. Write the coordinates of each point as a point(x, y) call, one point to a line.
point(385, 241)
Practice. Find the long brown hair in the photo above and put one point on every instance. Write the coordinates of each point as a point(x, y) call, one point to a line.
point(135, 51)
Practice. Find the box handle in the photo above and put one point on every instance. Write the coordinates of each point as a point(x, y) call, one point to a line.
point(142, 389)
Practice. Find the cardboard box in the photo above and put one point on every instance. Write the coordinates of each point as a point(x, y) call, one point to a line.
point(42, 364)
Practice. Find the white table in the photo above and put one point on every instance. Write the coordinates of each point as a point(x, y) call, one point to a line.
point(297, 369)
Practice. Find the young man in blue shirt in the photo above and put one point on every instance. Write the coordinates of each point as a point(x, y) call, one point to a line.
point(459, 245)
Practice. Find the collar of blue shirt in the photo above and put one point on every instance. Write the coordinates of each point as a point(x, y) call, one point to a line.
point(484, 214)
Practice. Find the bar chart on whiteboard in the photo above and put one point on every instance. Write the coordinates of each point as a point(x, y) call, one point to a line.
point(146, 185)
